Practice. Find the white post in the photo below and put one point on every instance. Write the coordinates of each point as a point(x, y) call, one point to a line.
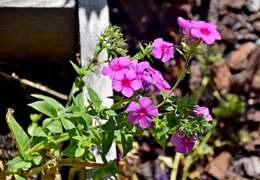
point(93, 19)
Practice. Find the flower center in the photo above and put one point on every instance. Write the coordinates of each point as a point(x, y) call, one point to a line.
point(205, 31)
point(164, 48)
point(126, 82)
point(142, 112)
point(117, 67)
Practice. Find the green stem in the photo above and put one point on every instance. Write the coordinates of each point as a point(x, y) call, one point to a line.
point(175, 166)
point(37, 147)
point(194, 156)
point(66, 162)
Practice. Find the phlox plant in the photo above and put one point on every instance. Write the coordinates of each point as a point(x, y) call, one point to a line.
point(65, 135)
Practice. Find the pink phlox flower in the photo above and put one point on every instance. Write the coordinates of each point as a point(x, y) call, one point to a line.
point(202, 111)
point(205, 31)
point(117, 67)
point(182, 142)
point(162, 50)
point(141, 113)
point(127, 84)
point(159, 82)
point(143, 75)
point(185, 25)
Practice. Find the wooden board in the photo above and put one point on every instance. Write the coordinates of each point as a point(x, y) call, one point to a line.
point(38, 3)
point(37, 33)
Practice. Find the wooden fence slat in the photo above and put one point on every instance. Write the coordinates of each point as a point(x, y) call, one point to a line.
point(38, 3)
point(93, 19)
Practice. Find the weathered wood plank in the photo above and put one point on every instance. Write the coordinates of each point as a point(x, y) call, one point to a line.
point(37, 33)
point(38, 3)
point(93, 19)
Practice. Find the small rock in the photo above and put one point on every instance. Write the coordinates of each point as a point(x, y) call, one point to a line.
point(256, 26)
point(229, 20)
point(219, 166)
point(254, 17)
point(252, 166)
point(237, 4)
point(253, 5)
point(253, 115)
point(226, 33)
point(222, 78)
point(237, 60)
point(256, 80)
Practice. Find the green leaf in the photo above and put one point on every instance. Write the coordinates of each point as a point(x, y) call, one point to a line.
point(35, 117)
point(53, 126)
point(17, 177)
point(127, 142)
point(39, 133)
point(107, 140)
point(105, 172)
point(94, 99)
point(49, 100)
point(70, 149)
point(45, 108)
point(79, 152)
point(22, 139)
point(116, 123)
point(87, 118)
point(77, 69)
point(32, 127)
point(18, 163)
point(67, 124)
point(36, 158)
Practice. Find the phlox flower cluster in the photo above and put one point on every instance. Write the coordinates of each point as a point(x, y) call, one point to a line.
point(129, 76)
point(205, 31)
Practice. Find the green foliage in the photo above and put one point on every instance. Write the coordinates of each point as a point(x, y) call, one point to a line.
point(145, 52)
point(229, 106)
point(94, 99)
point(113, 41)
point(22, 139)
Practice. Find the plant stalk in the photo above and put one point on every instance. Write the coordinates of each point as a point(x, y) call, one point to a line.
point(175, 166)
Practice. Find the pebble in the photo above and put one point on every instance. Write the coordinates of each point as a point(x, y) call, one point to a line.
point(253, 5)
point(237, 60)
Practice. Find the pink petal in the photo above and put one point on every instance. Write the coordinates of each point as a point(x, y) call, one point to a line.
point(145, 102)
point(124, 61)
point(133, 118)
point(166, 57)
point(128, 92)
point(157, 53)
point(106, 70)
point(136, 84)
point(117, 86)
point(130, 74)
point(152, 110)
point(145, 122)
point(132, 107)
point(118, 75)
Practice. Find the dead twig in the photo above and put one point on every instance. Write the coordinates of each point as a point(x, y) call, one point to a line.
point(35, 85)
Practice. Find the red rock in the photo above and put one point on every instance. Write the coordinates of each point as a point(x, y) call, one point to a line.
point(254, 16)
point(219, 166)
point(256, 80)
point(237, 4)
point(222, 78)
point(253, 115)
point(226, 33)
point(256, 26)
point(237, 60)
